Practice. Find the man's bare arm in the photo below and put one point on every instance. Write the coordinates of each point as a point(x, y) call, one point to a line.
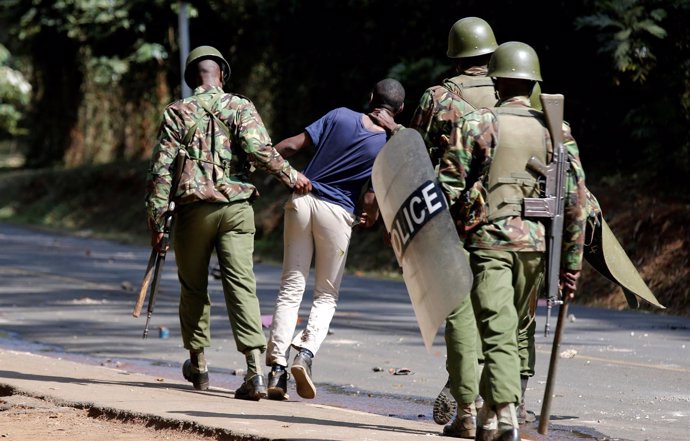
point(370, 210)
point(289, 146)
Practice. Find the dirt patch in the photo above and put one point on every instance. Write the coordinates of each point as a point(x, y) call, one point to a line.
point(27, 419)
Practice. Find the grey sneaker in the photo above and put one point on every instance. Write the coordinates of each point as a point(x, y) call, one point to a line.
point(444, 405)
point(194, 376)
point(277, 385)
point(301, 372)
point(252, 389)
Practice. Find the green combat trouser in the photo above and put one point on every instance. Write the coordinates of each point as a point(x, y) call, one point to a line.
point(229, 229)
point(503, 284)
point(527, 326)
point(463, 349)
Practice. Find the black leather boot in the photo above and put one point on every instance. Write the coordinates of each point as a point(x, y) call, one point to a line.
point(192, 372)
point(277, 383)
point(252, 389)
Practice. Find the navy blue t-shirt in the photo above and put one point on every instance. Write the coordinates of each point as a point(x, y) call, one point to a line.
point(345, 153)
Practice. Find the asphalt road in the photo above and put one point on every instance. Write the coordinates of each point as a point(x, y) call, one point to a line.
point(622, 375)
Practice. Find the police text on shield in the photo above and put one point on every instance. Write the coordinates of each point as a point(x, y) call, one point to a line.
point(419, 208)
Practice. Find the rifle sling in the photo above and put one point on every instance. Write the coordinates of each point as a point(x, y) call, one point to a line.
point(190, 133)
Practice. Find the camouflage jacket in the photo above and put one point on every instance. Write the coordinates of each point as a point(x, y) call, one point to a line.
point(463, 175)
point(439, 109)
point(218, 156)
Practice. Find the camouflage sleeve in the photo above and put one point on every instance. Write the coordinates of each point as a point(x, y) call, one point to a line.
point(159, 177)
point(575, 216)
point(255, 141)
point(422, 116)
point(470, 148)
point(438, 112)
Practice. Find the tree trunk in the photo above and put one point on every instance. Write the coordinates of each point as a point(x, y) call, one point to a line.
point(56, 99)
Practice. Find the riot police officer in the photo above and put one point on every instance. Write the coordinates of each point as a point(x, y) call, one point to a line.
point(485, 177)
point(201, 161)
point(471, 42)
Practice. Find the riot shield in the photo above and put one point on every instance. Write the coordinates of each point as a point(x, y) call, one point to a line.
point(423, 236)
point(606, 255)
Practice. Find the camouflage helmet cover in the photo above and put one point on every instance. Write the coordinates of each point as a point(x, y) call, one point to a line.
point(470, 37)
point(514, 59)
point(203, 53)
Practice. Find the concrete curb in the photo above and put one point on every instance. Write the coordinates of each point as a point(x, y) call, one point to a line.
point(124, 395)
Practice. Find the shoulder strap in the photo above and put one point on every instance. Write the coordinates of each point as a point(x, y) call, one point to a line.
point(190, 133)
point(209, 113)
point(188, 136)
point(208, 110)
point(476, 91)
point(448, 88)
point(470, 81)
point(519, 111)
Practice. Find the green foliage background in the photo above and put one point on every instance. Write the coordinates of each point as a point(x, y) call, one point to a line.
point(101, 72)
point(103, 69)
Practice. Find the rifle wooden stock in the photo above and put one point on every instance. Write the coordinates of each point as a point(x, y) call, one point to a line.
point(157, 259)
point(555, 188)
point(553, 112)
point(158, 266)
point(145, 283)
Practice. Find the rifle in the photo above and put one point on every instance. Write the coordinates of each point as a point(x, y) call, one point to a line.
point(146, 282)
point(552, 207)
point(154, 269)
point(158, 265)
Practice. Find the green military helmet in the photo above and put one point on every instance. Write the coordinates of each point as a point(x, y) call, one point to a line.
point(514, 59)
point(470, 37)
point(203, 53)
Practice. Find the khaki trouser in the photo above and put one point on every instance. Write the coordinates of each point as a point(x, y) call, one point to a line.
point(228, 229)
point(313, 227)
point(504, 282)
